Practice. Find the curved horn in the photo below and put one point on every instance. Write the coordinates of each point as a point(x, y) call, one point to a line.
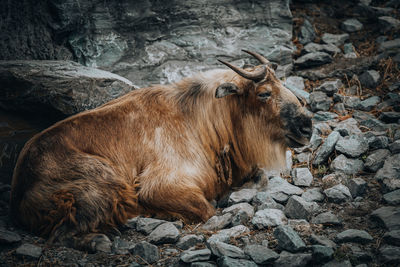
point(256, 75)
point(260, 58)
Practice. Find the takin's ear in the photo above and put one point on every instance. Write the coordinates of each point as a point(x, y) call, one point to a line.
point(226, 89)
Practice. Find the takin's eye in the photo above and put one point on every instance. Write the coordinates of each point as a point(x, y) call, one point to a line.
point(264, 96)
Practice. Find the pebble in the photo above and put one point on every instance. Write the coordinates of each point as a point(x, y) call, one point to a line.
point(195, 255)
point(348, 127)
point(147, 225)
point(392, 238)
point(288, 259)
point(390, 117)
point(336, 263)
point(203, 264)
point(330, 87)
point(147, 251)
point(392, 198)
point(220, 249)
point(288, 239)
point(378, 142)
point(164, 233)
point(313, 194)
point(351, 25)
point(388, 23)
point(369, 103)
point(395, 147)
point(281, 190)
point(302, 176)
point(327, 48)
point(370, 79)
point(388, 217)
point(245, 207)
point(321, 240)
point(307, 32)
point(352, 146)
point(354, 235)
point(299, 208)
point(218, 222)
point(261, 254)
point(390, 168)
point(375, 160)
point(243, 195)
point(313, 59)
point(188, 241)
point(335, 39)
point(229, 262)
point(357, 187)
point(268, 217)
point(29, 250)
point(326, 218)
point(319, 101)
point(322, 254)
point(347, 165)
point(326, 148)
point(338, 193)
point(390, 254)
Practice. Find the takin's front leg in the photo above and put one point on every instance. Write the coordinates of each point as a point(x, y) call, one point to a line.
point(176, 201)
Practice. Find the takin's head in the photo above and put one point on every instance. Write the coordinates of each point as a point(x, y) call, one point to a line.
point(261, 93)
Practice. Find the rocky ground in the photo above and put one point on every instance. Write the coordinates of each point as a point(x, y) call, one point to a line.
point(338, 202)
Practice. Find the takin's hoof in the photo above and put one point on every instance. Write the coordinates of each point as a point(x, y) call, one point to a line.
point(95, 243)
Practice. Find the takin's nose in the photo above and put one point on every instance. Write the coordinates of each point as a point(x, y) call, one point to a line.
point(306, 131)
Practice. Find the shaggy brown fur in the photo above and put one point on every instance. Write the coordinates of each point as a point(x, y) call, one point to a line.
point(163, 150)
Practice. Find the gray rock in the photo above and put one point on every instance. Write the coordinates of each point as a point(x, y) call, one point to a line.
point(164, 233)
point(264, 200)
point(234, 231)
point(370, 79)
point(146, 251)
point(29, 250)
point(378, 142)
point(369, 103)
point(319, 101)
point(188, 241)
point(338, 193)
point(348, 48)
point(347, 165)
point(327, 48)
point(203, 264)
point(326, 149)
point(303, 157)
point(243, 195)
point(322, 254)
point(302, 176)
point(395, 147)
point(390, 117)
point(355, 236)
point(323, 128)
point(296, 85)
point(374, 124)
point(313, 59)
point(324, 116)
point(246, 207)
point(389, 47)
point(335, 39)
point(390, 169)
point(392, 198)
point(375, 160)
point(195, 255)
point(288, 239)
point(327, 218)
point(348, 127)
point(229, 262)
point(351, 102)
point(333, 179)
point(388, 23)
point(389, 185)
point(131, 223)
point(357, 187)
point(330, 87)
point(315, 140)
point(307, 33)
point(298, 208)
point(121, 246)
point(359, 254)
point(390, 254)
point(288, 259)
point(388, 217)
point(351, 25)
point(218, 222)
point(337, 263)
point(268, 217)
point(261, 254)
point(352, 146)
point(8, 237)
point(281, 190)
point(321, 240)
point(147, 225)
point(313, 194)
point(61, 87)
point(392, 237)
point(221, 249)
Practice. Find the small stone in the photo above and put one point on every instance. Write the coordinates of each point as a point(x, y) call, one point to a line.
point(335, 39)
point(146, 251)
point(392, 198)
point(390, 46)
point(388, 217)
point(390, 254)
point(369, 103)
point(316, 140)
point(121, 246)
point(298, 208)
point(347, 165)
point(351, 102)
point(313, 59)
point(351, 25)
point(229, 262)
point(288, 259)
point(330, 87)
point(370, 79)
point(261, 254)
point(29, 250)
point(164, 233)
point(299, 224)
point(264, 200)
point(336, 263)
point(324, 116)
point(352, 146)
point(321, 240)
point(302, 176)
point(234, 231)
point(131, 223)
point(375, 161)
point(378, 142)
point(390, 169)
point(244, 195)
point(327, 48)
point(374, 125)
point(327, 218)
point(195, 255)
point(245, 207)
point(281, 190)
point(357, 187)
point(340, 109)
point(303, 157)
point(307, 32)
point(221, 249)
point(338, 193)
point(388, 23)
point(147, 225)
point(390, 117)
point(322, 254)
point(392, 237)
point(326, 149)
point(322, 127)
point(313, 194)
point(355, 236)
point(268, 217)
point(395, 147)
point(203, 264)
point(189, 241)
point(7, 237)
point(218, 222)
point(359, 254)
point(288, 239)
point(348, 127)
point(319, 101)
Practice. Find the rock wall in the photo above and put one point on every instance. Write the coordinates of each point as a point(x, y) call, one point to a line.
point(146, 41)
